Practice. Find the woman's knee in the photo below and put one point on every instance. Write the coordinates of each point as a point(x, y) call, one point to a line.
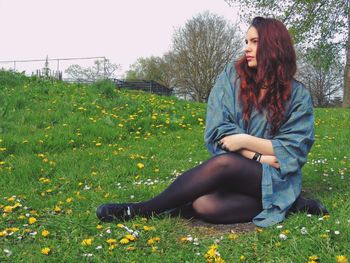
point(225, 160)
point(202, 206)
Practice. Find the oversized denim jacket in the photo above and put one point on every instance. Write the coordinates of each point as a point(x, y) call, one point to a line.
point(280, 187)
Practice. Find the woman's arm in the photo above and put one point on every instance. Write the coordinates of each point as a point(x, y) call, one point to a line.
point(247, 145)
point(237, 142)
point(268, 159)
point(294, 140)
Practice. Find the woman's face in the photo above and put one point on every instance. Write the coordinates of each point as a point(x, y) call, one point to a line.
point(251, 42)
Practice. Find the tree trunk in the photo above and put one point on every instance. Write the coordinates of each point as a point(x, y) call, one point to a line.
point(346, 97)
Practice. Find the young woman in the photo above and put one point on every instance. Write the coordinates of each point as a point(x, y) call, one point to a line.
point(259, 128)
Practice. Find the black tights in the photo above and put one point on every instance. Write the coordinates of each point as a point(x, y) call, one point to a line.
point(224, 189)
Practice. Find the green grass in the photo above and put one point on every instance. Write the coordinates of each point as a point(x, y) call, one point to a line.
point(65, 149)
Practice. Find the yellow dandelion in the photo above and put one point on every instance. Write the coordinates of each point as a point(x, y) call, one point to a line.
point(342, 259)
point(150, 241)
point(45, 251)
point(98, 144)
point(124, 241)
point(33, 212)
point(313, 258)
point(259, 230)
point(233, 236)
point(11, 230)
point(31, 220)
point(154, 249)
point(212, 251)
point(111, 247)
point(148, 228)
point(184, 239)
point(285, 232)
point(99, 227)
point(45, 233)
point(130, 248)
point(16, 205)
point(111, 241)
point(87, 242)
point(11, 199)
point(69, 200)
point(57, 209)
point(326, 217)
point(44, 180)
point(7, 209)
point(120, 225)
point(140, 165)
point(130, 237)
point(242, 258)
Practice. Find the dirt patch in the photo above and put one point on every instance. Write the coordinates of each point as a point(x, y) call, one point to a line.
point(207, 229)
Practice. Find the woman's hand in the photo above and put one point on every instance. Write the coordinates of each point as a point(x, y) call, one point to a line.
point(270, 160)
point(232, 142)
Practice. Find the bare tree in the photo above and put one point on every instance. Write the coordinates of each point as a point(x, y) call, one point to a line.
point(102, 69)
point(323, 80)
point(201, 49)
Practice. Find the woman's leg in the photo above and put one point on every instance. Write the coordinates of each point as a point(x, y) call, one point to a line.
point(231, 170)
point(227, 207)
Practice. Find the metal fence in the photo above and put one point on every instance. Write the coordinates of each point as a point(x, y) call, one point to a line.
point(144, 85)
point(40, 67)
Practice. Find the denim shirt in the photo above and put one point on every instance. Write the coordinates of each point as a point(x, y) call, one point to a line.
point(291, 145)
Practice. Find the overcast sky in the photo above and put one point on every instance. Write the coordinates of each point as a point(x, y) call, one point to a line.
point(121, 30)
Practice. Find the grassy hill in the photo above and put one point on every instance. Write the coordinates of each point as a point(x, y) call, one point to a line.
point(66, 148)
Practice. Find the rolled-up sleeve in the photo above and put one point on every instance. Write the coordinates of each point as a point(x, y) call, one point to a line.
point(220, 119)
point(296, 136)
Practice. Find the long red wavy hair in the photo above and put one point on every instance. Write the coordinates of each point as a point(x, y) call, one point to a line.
point(276, 66)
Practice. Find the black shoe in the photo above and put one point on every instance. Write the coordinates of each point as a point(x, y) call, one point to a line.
point(315, 207)
point(310, 206)
point(112, 212)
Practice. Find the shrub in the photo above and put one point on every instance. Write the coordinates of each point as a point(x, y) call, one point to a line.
point(105, 87)
point(11, 79)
